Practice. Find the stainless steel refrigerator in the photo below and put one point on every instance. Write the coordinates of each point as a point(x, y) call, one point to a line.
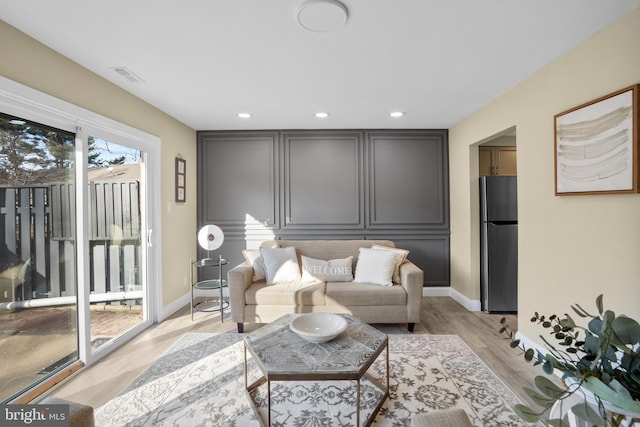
point(499, 244)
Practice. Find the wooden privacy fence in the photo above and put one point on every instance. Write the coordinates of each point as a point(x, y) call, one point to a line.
point(37, 231)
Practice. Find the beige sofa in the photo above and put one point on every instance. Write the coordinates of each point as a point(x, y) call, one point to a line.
point(258, 302)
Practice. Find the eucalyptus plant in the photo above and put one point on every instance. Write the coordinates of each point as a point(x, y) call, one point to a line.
point(602, 358)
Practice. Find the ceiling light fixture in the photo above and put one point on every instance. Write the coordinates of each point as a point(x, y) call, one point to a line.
point(244, 115)
point(322, 115)
point(396, 114)
point(322, 16)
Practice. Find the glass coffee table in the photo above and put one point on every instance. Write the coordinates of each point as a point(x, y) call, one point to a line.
point(283, 356)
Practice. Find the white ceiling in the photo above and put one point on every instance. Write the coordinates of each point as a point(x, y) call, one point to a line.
point(204, 61)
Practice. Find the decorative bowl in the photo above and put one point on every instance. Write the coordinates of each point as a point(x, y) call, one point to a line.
point(319, 327)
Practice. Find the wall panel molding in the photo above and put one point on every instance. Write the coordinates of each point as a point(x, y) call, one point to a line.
point(322, 180)
point(407, 180)
point(238, 180)
point(329, 184)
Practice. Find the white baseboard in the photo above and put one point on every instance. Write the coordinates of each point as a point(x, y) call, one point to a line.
point(447, 291)
point(527, 342)
point(185, 300)
point(443, 291)
point(174, 306)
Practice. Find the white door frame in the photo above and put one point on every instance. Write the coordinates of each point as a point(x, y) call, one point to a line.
point(23, 101)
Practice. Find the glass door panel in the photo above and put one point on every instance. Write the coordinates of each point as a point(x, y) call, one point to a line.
point(38, 298)
point(116, 250)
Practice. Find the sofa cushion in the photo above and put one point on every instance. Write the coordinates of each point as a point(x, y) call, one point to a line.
point(354, 294)
point(334, 270)
point(281, 265)
point(375, 267)
point(296, 294)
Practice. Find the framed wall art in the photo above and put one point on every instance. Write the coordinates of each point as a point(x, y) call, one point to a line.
point(181, 180)
point(596, 146)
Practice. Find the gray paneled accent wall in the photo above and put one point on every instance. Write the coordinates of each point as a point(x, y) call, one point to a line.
point(322, 180)
point(329, 184)
point(407, 180)
point(238, 180)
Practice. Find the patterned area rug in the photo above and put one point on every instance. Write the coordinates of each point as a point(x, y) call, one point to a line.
point(200, 382)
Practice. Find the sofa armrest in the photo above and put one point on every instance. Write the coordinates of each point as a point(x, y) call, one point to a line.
point(239, 278)
point(412, 280)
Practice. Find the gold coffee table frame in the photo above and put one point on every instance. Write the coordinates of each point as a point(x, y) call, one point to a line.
point(271, 348)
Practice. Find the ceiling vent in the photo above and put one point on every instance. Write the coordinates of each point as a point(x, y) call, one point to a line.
point(127, 74)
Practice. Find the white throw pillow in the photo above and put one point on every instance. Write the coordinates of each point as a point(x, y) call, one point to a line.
point(281, 265)
point(334, 270)
point(254, 258)
point(375, 266)
point(401, 256)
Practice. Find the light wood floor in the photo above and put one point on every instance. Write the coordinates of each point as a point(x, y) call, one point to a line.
point(97, 384)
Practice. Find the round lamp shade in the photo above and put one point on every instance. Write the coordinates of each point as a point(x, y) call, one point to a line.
point(210, 237)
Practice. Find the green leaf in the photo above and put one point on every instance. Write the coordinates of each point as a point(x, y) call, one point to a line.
point(595, 326)
point(615, 385)
point(568, 322)
point(586, 413)
point(537, 397)
point(546, 386)
point(528, 355)
point(626, 329)
point(580, 311)
point(557, 422)
point(514, 343)
point(607, 394)
point(608, 317)
point(599, 304)
point(527, 414)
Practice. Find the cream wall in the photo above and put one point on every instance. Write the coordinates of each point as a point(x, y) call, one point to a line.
point(27, 61)
point(570, 248)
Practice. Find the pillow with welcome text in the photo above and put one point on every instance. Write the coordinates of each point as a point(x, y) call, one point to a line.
point(334, 270)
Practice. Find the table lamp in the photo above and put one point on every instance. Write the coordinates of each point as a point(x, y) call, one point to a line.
point(210, 238)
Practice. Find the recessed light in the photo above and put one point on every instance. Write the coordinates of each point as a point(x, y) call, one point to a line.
point(244, 115)
point(17, 122)
point(322, 115)
point(396, 114)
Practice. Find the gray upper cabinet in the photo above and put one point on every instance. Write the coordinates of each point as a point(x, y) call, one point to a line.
point(238, 180)
point(407, 180)
point(322, 180)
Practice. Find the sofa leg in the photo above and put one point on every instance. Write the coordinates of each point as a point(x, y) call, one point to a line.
point(240, 328)
point(410, 326)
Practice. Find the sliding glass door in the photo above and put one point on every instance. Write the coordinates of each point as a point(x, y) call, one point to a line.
point(117, 251)
point(38, 298)
point(76, 214)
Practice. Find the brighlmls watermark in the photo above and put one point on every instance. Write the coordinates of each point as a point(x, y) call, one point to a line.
point(34, 415)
